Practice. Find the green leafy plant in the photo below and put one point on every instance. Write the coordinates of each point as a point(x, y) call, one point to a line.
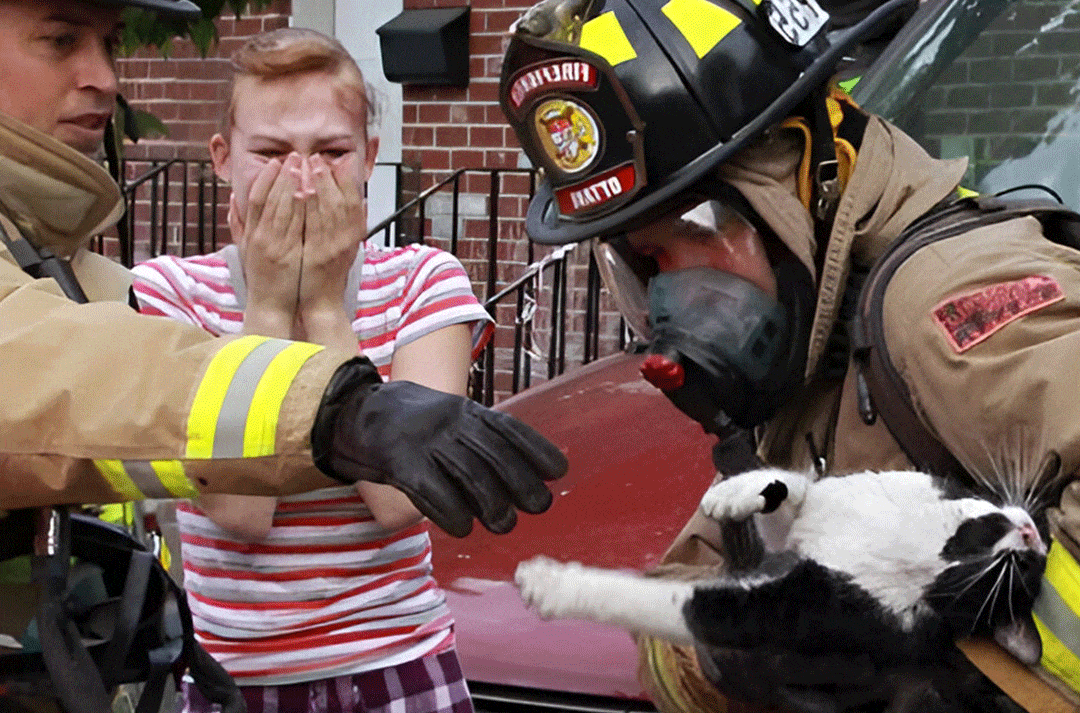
point(143, 28)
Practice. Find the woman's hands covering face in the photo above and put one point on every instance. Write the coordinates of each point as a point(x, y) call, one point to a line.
point(300, 231)
point(335, 224)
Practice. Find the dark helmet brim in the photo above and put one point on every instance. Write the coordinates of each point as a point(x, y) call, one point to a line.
point(180, 9)
point(545, 224)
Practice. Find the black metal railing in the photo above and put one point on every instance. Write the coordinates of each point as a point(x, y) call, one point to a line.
point(555, 300)
point(523, 289)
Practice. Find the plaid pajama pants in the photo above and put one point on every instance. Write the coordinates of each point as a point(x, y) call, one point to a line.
point(433, 684)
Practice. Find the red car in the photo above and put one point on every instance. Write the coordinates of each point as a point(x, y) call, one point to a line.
point(638, 467)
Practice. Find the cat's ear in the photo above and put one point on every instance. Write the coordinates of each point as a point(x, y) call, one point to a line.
point(1021, 639)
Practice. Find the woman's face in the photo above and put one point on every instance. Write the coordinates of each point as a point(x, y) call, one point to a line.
point(302, 113)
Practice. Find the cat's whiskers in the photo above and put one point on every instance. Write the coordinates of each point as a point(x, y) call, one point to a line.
point(992, 595)
point(1012, 569)
point(1030, 483)
point(1016, 566)
point(995, 485)
point(1011, 464)
point(975, 577)
point(1040, 494)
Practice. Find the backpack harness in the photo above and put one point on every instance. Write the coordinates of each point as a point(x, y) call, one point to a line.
point(880, 390)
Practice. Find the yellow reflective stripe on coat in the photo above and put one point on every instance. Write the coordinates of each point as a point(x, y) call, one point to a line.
point(236, 407)
point(116, 476)
point(261, 427)
point(141, 479)
point(1057, 616)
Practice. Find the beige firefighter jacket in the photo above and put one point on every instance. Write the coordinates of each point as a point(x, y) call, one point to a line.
point(100, 404)
point(1003, 405)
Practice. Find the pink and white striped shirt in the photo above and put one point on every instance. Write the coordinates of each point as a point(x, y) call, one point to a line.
point(328, 592)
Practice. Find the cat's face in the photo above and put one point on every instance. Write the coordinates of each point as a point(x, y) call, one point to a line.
point(996, 559)
point(988, 530)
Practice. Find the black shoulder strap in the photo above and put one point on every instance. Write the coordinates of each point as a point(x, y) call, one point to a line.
point(39, 263)
point(880, 388)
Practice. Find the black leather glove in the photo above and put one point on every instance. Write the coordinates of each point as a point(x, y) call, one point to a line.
point(453, 457)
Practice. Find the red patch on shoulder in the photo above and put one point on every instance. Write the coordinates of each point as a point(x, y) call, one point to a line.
point(969, 319)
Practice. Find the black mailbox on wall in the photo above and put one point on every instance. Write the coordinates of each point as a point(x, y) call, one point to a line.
point(427, 46)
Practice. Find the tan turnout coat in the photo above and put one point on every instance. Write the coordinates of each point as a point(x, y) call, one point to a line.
point(1001, 405)
point(100, 404)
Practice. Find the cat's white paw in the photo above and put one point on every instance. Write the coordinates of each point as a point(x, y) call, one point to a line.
point(548, 586)
point(740, 496)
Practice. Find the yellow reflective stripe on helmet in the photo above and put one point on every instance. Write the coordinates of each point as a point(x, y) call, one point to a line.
point(702, 23)
point(605, 36)
point(1057, 616)
point(116, 475)
point(210, 396)
point(261, 428)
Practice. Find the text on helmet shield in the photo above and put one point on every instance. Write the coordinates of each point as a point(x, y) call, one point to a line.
point(598, 190)
point(559, 74)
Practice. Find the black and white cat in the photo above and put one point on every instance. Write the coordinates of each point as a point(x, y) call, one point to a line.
point(890, 565)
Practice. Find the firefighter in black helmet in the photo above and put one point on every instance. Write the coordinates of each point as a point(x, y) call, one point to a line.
point(664, 94)
point(735, 200)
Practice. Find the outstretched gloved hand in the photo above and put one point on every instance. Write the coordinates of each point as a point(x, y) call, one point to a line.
point(454, 458)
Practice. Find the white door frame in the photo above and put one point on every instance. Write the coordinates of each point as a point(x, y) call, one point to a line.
point(353, 22)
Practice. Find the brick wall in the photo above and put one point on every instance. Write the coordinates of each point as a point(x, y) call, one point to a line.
point(445, 129)
point(996, 101)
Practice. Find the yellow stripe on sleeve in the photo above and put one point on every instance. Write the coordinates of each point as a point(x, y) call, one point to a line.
point(114, 473)
point(210, 396)
point(1057, 658)
point(173, 478)
point(1057, 616)
point(260, 430)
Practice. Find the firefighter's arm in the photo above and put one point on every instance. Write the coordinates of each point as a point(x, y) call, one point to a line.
point(100, 404)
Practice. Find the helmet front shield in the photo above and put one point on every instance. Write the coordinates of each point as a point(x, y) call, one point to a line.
point(576, 122)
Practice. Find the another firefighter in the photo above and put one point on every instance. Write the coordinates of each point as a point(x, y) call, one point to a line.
point(737, 200)
point(99, 404)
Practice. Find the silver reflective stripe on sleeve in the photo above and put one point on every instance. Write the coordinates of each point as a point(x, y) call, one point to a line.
point(140, 479)
point(1057, 616)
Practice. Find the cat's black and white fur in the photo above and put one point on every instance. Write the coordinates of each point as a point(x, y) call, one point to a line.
point(890, 565)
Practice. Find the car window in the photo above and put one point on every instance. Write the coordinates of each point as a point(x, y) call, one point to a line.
point(996, 81)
